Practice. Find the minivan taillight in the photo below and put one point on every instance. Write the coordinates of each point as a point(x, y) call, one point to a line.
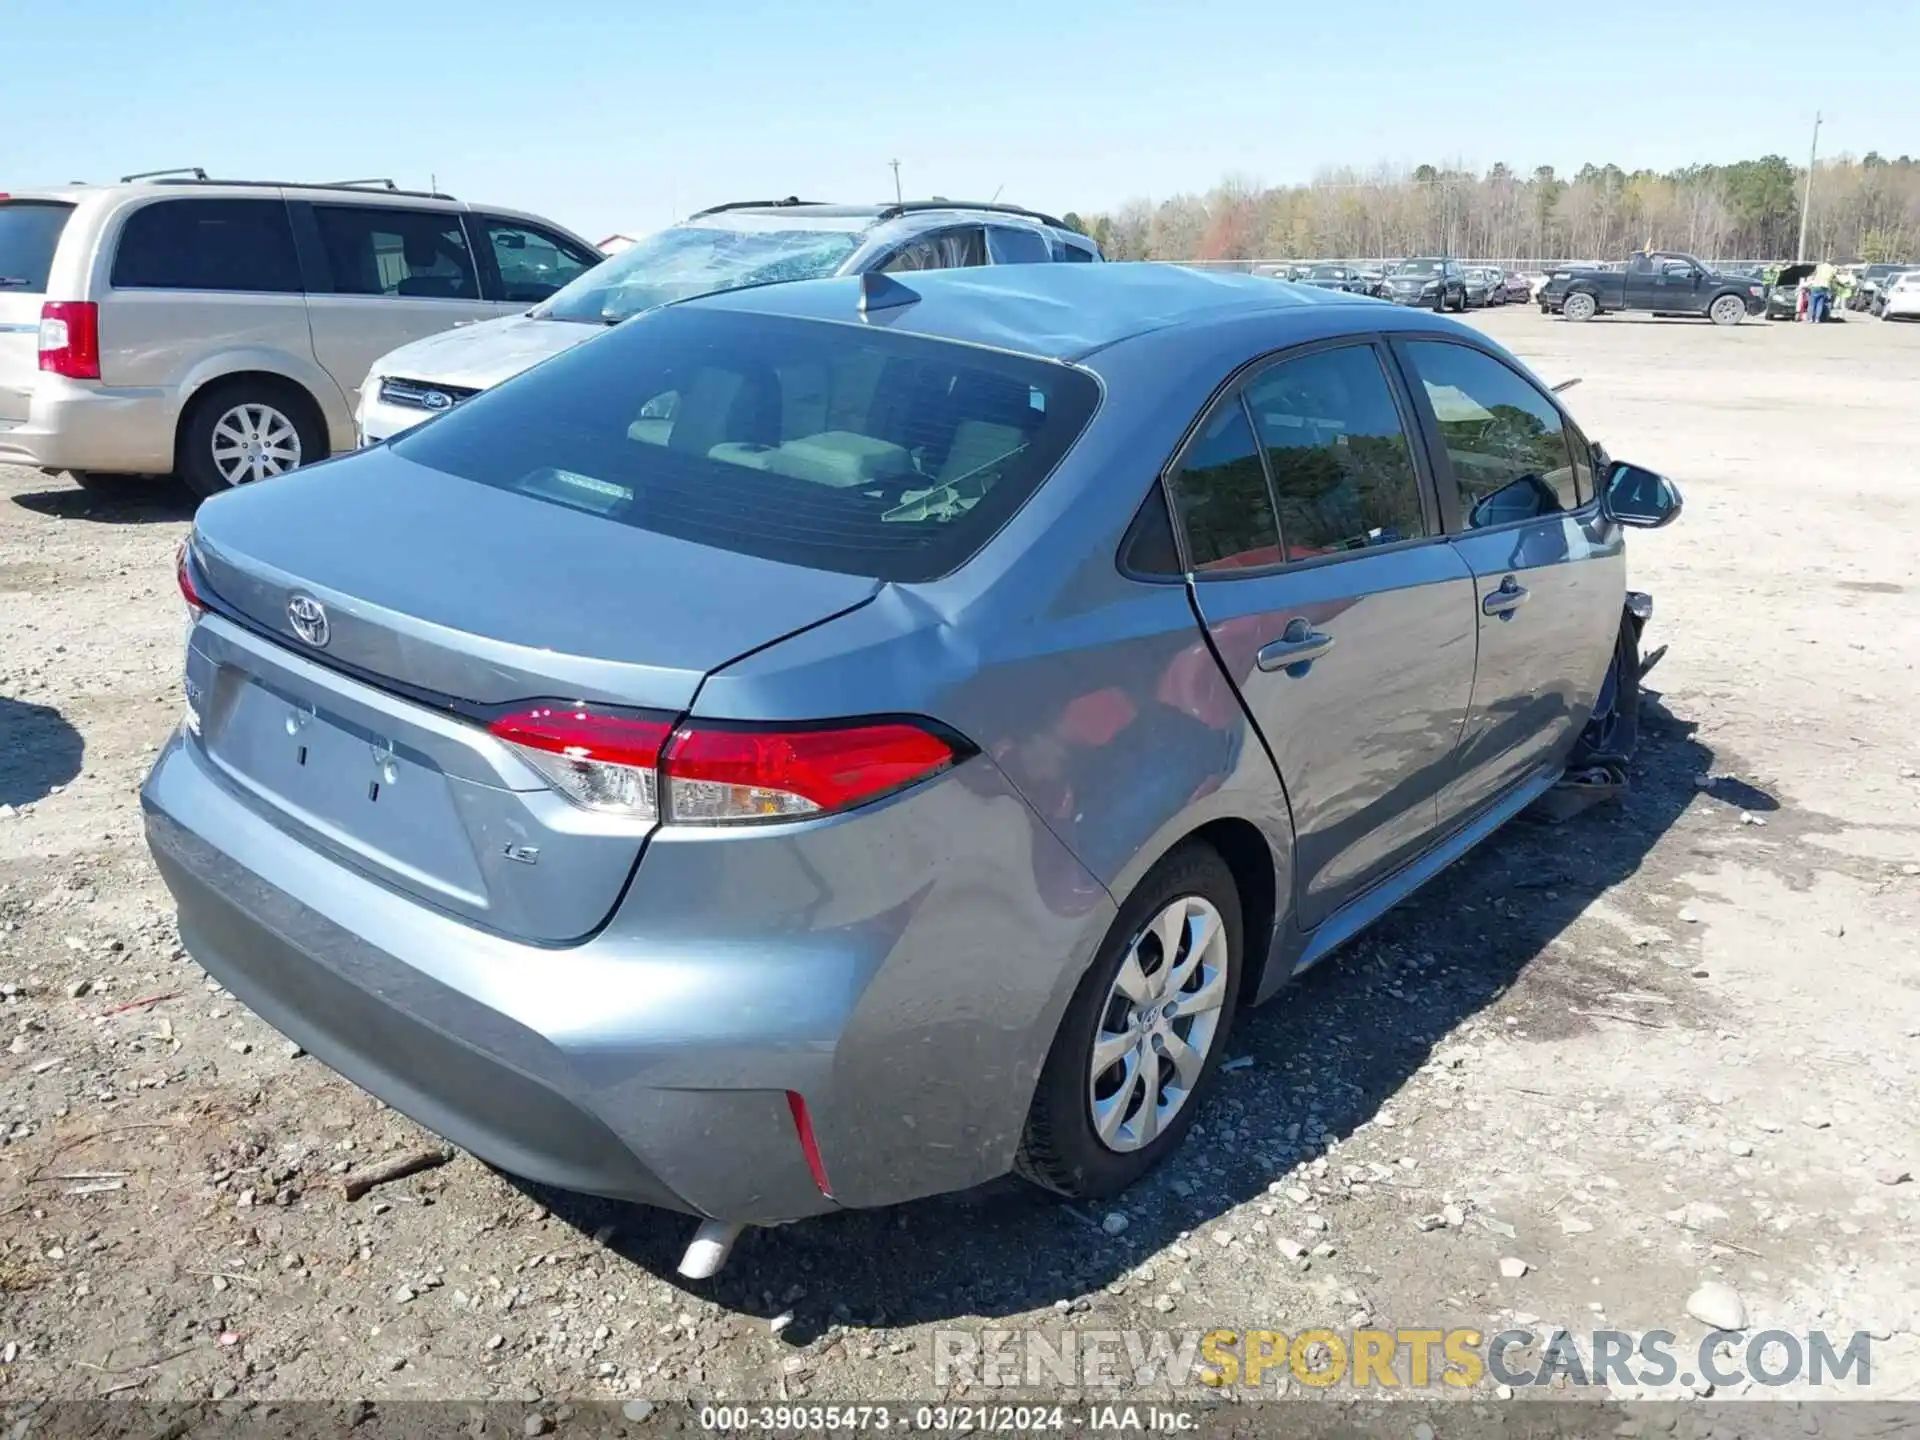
point(70, 339)
point(717, 774)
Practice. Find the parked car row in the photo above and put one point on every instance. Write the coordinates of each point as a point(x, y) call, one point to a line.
point(229, 331)
point(1882, 290)
point(1438, 282)
point(1898, 296)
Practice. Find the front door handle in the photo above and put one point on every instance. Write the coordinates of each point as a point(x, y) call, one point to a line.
point(1300, 646)
point(1508, 598)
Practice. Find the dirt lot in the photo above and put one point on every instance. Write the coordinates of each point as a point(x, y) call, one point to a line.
point(1665, 1043)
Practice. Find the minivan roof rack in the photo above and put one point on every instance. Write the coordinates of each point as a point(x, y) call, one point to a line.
point(910, 207)
point(753, 205)
point(192, 172)
point(200, 177)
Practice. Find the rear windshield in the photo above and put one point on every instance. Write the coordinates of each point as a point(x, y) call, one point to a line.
point(29, 231)
point(834, 446)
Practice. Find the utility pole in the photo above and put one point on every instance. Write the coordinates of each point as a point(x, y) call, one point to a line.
point(896, 182)
point(1806, 202)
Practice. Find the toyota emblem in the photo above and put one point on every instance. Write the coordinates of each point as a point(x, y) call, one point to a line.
point(309, 620)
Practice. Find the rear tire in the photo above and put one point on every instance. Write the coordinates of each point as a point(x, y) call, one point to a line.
point(1614, 728)
point(236, 431)
point(1061, 1149)
point(1727, 310)
point(1579, 306)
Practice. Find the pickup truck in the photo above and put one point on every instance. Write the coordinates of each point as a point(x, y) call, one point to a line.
point(1659, 282)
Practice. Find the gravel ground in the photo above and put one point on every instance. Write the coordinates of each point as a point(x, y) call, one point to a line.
point(1593, 1067)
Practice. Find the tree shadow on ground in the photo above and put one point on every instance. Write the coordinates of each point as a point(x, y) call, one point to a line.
point(1327, 1053)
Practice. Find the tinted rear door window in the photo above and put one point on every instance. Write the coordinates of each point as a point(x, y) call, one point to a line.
point(29, 232)
point(1008, 245)
point(208, 245)
point(1220, 492)
point(409, 254)
point(1342, 469)
point(821, 444)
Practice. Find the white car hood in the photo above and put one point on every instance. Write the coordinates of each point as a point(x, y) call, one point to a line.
point(480, 356)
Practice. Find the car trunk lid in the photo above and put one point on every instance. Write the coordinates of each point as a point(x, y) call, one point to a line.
point(445, 602)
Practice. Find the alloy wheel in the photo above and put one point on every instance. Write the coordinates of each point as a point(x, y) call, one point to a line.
point(1159, 1024)
point(254, 442)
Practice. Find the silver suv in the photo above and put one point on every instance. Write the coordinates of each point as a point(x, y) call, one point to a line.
point(728, 247)
point(219, 329)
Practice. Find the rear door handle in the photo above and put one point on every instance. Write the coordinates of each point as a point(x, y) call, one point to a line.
point(1508, 598)
point(1301, 645)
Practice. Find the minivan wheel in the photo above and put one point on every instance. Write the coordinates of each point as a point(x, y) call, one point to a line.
point(1143, 1034)
point(1728, 310)
point(1579, 306)
point(246, 431)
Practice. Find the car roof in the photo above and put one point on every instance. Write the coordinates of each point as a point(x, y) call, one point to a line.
point(1067, 312)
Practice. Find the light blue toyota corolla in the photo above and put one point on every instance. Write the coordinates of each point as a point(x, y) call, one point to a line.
point(835, 743)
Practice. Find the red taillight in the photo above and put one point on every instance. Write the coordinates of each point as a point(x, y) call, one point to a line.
point(803, 1127)
point(762, 774)
point(183, 572)
point(70, 339)
point(705, 775)
point(600, 761)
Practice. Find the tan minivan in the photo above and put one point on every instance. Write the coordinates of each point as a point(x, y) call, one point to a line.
point(219, 330)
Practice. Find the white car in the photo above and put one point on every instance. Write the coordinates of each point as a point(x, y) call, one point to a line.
point(730, 246)
point(1903, 296)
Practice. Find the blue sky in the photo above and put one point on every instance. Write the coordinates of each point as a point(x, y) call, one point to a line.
point(622, 114)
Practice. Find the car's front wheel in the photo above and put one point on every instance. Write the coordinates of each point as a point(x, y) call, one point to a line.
point(1613, 730)
point(1144, 1032)
point(1727, 310)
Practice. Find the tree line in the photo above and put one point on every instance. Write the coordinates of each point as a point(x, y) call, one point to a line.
point(1864, 209)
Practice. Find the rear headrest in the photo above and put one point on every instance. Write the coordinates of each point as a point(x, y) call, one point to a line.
point(422, 251)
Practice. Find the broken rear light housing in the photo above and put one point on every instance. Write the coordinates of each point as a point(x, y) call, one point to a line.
point(723, 773)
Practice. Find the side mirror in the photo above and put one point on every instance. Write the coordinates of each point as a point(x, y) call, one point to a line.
point(1639, 497)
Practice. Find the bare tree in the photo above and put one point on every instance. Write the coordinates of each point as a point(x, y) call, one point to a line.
point(1862, 209)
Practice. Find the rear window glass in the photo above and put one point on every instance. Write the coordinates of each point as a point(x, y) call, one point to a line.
point(835, 446)
point(244, 245)
point(29, 231)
